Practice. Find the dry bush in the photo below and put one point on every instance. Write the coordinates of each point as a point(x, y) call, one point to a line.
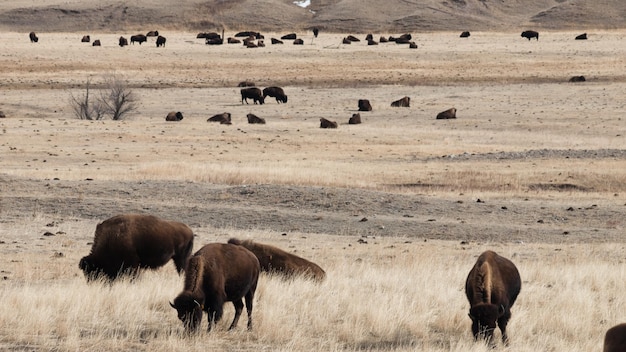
point(114, 99)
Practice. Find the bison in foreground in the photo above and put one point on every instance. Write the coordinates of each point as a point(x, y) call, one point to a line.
point(125, 244)
point(530, 34)
point(364, 105)
point(491, 289)
point(216, 274)
point(275, 260)
point(615, 339)
point(252, 93)
point(275, 92)
point(404, 102)
point(448, 114)
point(174, 116)
point(252, 119)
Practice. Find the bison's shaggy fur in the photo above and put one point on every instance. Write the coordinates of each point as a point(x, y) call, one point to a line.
point(252, 118)
point(404, 102)
point(252, 93)
point(174, 116)
point(615, 339)
point(448, 114)
point(275, 92)
point(364, 105)
point(491, 288)
point(355, 119)
point(125, 244)
point(276, 260)
point(216, 274)
point(325, 123)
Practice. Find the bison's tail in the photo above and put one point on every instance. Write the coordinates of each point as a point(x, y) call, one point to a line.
point(235, 241)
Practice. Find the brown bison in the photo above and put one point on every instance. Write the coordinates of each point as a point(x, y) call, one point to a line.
point(96, 43)
point(223, 118)
point(412, 45)
point(125, 244)
point(298, 41)
point(491, 289)
point(123, 41)
point(252, 93)
point(364, 105)
point(208, 35)
point(355, 119)
point(581, 37)
point(290, 36)
point(577, 79)
point(246, 84)
point(232, 40)
point(139, 38)
point(275, 92)
point(448, 114)
point(174, 116)
point(152, 34)
point(276, 41)
point(615, 339)
point(160, 41)
point(383, 39)
point(216, 274)
point(353, 38)
point(256, 35)
point(530, 34)
point(276, 260)
point(33, 37)
point(324, 123)
point(465, 34)
point(369, 37)
point(346, 41)
point(403, 103)
point(85, 39)
point(316, 31)
point(252, 118)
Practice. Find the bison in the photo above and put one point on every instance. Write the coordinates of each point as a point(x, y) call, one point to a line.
point(577, 79)
point(355, 119)
point(615, 339)
point(85, 39)
point(152, 34)
point(298, 41)
point(252, 93)
point(530, 34)
point(232, 40)
point(128, 243)
point(33, 37)
point(353, 38)
point(252, 118)
point(276, 41)
point(465, 34)
point(324, 123)
point(123, 41)
point(216, 274)
point(256, 35)
point(581, 37)
point(491, 289)
point(96, 43)
point(290, 36)
point(246, 84)
point(383, 39)
point(404, 102)
point(139, 38)
point(371, 42)
point(364, 105)
point(160, 41)
point(223, 118)
point(448, 114)
point(275, 260)
point(346, 41)
point(174, 116)
point(275, 92)
point(316, 31)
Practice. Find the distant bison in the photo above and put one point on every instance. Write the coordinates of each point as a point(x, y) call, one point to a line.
point(123, 41)
point(160, 41)
point(275, 92)
point(208, 35)
point(412, 45)
point(125, 244)
point(252, 118)
point(353, 38)
point(298, 41)
point(290, 36)
point(216, 274)
point(152, 34)
point(252, 93)
point(33, 37)
point(276, 41)
point(256, 35)
point(223, 118)
point(174, 116)
point(581, 37)
point(96, 43)
point(324, 123)
point(404, 102)
point(615, 339)
point(275, 260)
point(85, 39)
point(577, 79)
point(369, 37)
point(530, 34)
point(355, 119)
point(231, 40)
point(346, 41)
point(448, 114)
point(246, 84)
point(371, 42)
point(316, 31)
point(139, 38)
point(383, 39)
point(491, 288)
point(465, 34)
point(364, 105)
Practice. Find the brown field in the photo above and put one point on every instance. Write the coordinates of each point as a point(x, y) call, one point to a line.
point(534, 167)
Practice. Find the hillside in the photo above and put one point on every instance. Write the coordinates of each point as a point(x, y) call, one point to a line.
point(330, 15)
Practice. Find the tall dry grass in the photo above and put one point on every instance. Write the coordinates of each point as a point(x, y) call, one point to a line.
point(387, 294)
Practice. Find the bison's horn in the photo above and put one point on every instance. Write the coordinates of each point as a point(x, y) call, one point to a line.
point(197, 303)
point(172, 304)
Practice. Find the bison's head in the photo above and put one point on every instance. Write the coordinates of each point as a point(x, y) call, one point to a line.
point(189, 311)
point(88, 267)
point(484, 318)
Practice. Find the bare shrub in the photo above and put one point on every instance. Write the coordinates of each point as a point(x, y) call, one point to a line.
point(115, 99)
point(84, 108)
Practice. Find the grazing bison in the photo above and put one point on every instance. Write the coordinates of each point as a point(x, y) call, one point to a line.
point(581, 37)
point(152, 34)
point(364, 105)
point(160, 41)
point(276, 41)
point(615, 339)
point(216, 274)
point(316, 31)
point(125, 244)
point(290, 36)
point(252, 118)
point(275, 260)
point(96, 43)
point(33, 37)
point(298, 41)
point(139, 38)
point(324, 123)
point(246, 84)
point(404, 102)
point(275, 92)
point(85, 39)
point(174, 116)
point(465, 34)
point(448, 114)
point(123, 41)
point(355, 119)
point(577, 79)
point(223, 118)
point(530, 34)
point(252, 93)
point(491, 288)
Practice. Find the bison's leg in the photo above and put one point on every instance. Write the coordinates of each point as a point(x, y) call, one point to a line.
point(502, 322)
point(215, 312)
point(249, 300)
point(238, 309)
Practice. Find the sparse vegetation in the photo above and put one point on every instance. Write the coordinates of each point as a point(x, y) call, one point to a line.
point(114, 99)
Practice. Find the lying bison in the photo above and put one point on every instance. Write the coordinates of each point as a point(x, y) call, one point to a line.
point(324, 123)
point(96, 43)
point(223, 118)
point(276, 260)
point(448, 114)
point(252, 93)
point(33, 37)
point(85, 39)
point(581, 37)
point(125, 244)
point(246, 84)
point(465, 34)
point(216, 274)
point(152, 34)
point(174, 116)
point(364, 105)
point(252, 119)
point(577, 79)
point(298, 41)
point(530, 34)
point(290, 36)
point(403, 103)
point(276, 41)
point(615, 339)
point(275, 92)
point(491, 289)
point(355, 119)
point(160, 41)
